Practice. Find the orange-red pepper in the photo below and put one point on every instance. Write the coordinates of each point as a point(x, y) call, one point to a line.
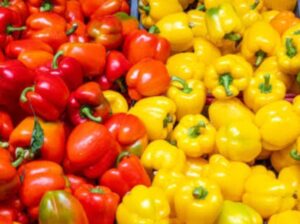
point(284, 20)
point(35, 58)
point(56, 6)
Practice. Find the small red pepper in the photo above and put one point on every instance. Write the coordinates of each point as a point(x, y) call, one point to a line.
point(88, 103)
point(48, 98)
point(129, 173)
point(67, 68)
point(6, 127)
point(140, 44)
point(18, 6)
point(100, 203)
point(56, 6)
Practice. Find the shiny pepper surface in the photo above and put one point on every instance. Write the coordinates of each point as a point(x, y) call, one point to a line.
point(205, 51)
point(290, 216)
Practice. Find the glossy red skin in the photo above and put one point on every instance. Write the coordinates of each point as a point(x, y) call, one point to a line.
point(6, 126)
point(152, 47)
point(100, 207)
point(104, 83)
point(117, 65)
point(146, 78)
point(12, 210)
point(38, 178)
point(80, 35)
point(14, 48)
point(129, 173)
point(58, 6)
point(18, 6)
point(89, 94)
point(75, 182)
point(49, 98)
point(73, 11)
point(69, 69)
point(7, 214)
point(91, 149)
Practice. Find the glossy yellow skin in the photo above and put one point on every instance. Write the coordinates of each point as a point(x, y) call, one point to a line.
point(290, 64)
point(205, 50)
point(197, 22)
point(296, 105)
point(260, 36)
point(238, 68)
point(160, 154)
point(187, 102)
point(239, 212)
point(117, 102)
point(239, 141)
point(266, 194)
point(290, 217)
point(153, 111)
point(279, 5)
point(191, 210)
point(230, 176)
point(281, 159)
point(194, 166)
point(269, 15)
point(186, 66)
point(175, 28)
point(256, 97)
point(279, 125)
point(232, 110)
point(158, 10)
point(144, 205)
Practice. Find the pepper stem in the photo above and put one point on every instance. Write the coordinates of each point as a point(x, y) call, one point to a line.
point(87, 112)
point(121, 85)
point(186, 88)
point(72, 29)
point(168, 119)
point(201, 8)
point(153, 29)
point(23, 97)
point(121, 156)
point(10, 29)
point(55, 59)
point(97, 190)
point(255, 4)
point(291, 50)
point(20, 155)
point(145, 8)
point(260, 57)
point(5, 3)
point(226, 80)
point(194, 131)
point(47, 6)
point(233, 37)
point(295, 155)
point(266, 87)
point(200, 193)
point(298, 78)
point(4, 144)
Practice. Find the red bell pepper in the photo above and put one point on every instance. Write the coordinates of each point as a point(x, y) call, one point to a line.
point(88, 103)
point(39, 177)
point(73, 11)
point(129, 173)
point(129, 23)
point(11, 25)
point(16, 47)
point(75, 182)
point(67, 68)
point(47, 27)
point(91, 56)
point(18, 6)
point(91, 149)
point(48, 98)
point(100, 203)
point(56, 6)
point(77, 32)
point(129, 131)
point(148, 77)
point(6, 127)
point(140, 44)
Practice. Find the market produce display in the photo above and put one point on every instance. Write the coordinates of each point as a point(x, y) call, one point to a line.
point(175, 112)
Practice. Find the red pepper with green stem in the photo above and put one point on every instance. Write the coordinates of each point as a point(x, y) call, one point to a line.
point(18, 6)
point(99, 203)
point(56, 6)
point(77, 32)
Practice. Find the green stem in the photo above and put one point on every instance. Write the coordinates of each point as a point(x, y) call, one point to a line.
point(298, 78)
point(72, 30)
point(233, 37)
point(97, 190)
point(194, 131)
point(154, 29)
point(10, 29)
point(295, 155)
point(168, 119)
point(200, 193)
point(260, 57)
point(201, 8)
point(254, 5)
point(186, 88)
point(4, 144)
point(5, 3)
point(121, 156)
point(47, 6)
point(20, 155)
point(291, 50)
point(121, 85)
point(23, 97)
point(55, 59)
point(225, 80)
point(145, 8)
point(266, 87)
point(87, 112)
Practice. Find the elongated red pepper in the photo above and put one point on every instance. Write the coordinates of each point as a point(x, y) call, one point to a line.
point(48, 98)
point(100, 203)
point(56, 6)
point(67, 68)
point(18, 6)
point(88, 103)
point(129, 173)
point(6, 127)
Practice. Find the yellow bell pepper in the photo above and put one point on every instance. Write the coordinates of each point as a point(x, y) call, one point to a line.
point(194, 166)
point(271, 65)
point(160, 154)
point(239, 141)
point(117, 102)
point(267, 194)
point(153, 10)
point(223, 23)
point(269, 15)
point(144, 205)
point(205, 51)
point(264, 88)
point(291, 176)
point(282, 158)
point(175, 28)
point(290, 217)
point(186, 66)
point(227, 76)
point(158, 115)
point(238, 213)
point(232, 110)
point(296, 105)
point(272, 119)
point(198, 201)
point(288, 55)
point(230, 176)
point(260, 40)
point(197, 22)
point(280, 5)
point(189, 96)
point(194, 135)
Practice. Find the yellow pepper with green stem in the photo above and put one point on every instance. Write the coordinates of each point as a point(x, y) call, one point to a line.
point(205, 50)
point(290, 217)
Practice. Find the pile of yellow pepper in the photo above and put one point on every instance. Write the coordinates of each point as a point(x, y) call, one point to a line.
point(236, 159)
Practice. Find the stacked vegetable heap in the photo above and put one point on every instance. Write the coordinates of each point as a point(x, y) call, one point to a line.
point(194, 119)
